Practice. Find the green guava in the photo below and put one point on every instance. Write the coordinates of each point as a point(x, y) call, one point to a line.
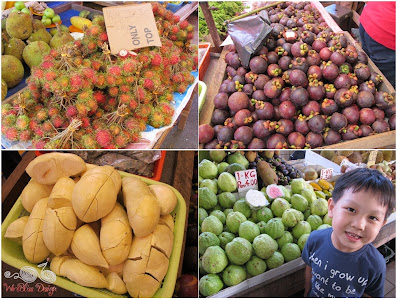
point(201, 270)
point(254, 215)
point(234, 275)
point(302, 240)
point(287, 193)
point(307, 213)
point(275, 228)
point(248, 230)
point(209, 183)
point(212, 224)
point(210, 284)
point(214, 260)
point(237, 157)
point(242, 206)
point(261, 226)
point(264, 214)
point(207, 198)
point(233, 221)
point(327, 219)
point(279, 205)
point(222, 167)
point(202, 215)
point(200, 180)
point(207, 239)
point(309, 194)
point(297, 185)
point(264, 246)
point(274, 191)
point(226, 199)
point(218, 155)
point(227, 182)
point(207, 169)
point(319, 207)
point(233, 168)
point(227, 211)
point(226, 237)
point(239, 251)
point(220, 215)
point(314, 221)
point(324, 226)
point(301, 228)
point(276, 260)
point(291, 217)
point(290, 251)
point(284, 239)
point(255, 266)
point(299, 202)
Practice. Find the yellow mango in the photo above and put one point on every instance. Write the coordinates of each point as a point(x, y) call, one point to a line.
point(80, 22)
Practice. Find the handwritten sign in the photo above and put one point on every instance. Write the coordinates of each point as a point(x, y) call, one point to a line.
point(372, 158)
point(131, 27)
point(246, 180)
point(326, 174)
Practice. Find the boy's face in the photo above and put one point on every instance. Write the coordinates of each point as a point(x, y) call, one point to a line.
point(356, 220)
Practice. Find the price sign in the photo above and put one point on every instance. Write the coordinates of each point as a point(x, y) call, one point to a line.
point(372, 158)
point(326, 174)
point(246, 180)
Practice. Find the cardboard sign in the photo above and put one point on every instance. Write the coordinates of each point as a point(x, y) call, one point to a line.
point(326, 174)
point(131, 27)
point(246, 180)
point(372, 158)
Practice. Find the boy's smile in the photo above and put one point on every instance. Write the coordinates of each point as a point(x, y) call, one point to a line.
point(356, 219)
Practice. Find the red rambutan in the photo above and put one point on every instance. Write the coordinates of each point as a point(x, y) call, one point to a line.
point(148, 84)
point(47, 126)
point(156, 60)
point(103, 37)
point(71, 111)
point(22, 122)
point(113, 91)
point(50, 75)
point(42, 114)
point(57, 121)
point(114, 70)
point(121, 140)
point(24, 135)
point(99, 97)
point(133, 104)
point(103, 138)
point(88, 142)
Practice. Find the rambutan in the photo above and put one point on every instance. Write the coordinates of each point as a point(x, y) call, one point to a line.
point(114, 129)
point(181, 88)
point(92, 105)
point(53, 52)
point(78, 61)
point(113, 91)
point(50, 75)
point(176, 18)
point(110, 80)
point(101, 81)
point(121, 140)
point(22, 122)
point(38, 73)
point(85, 95)
point(40, 144)
point(99, 113)
point(103, 138)
point(129, 66)
point(93, 30)
point(39, 132)
point(175, 29)
point(57, 121)
point(129, 79)
point(174, 59)
point(42, 115)
point(5, 109)
point(24, 135)
point(96, 65)
point(156, 119)
point(133, 104)
point(33, 125)
point(89, 74)
point(144, 110)
point(124, 88)
point(76, 81)
point(114, 70)
point(81, 109)
point(99, 124)
point(177, 78)
point(3, 128)
point(147, 83)
point(99, 97)
point(85, 122)
point(125, 98)
point(47, 126)
point(103, 37)
point(166, 108)
point(88, 142)
point(71, 111)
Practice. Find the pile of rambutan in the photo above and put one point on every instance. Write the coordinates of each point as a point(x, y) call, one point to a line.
point(82, 96)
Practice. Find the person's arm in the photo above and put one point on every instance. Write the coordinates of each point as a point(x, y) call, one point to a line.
point(308, 280)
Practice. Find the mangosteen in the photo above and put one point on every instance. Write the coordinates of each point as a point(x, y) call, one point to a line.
point(311, 108)
point(284, 62)
point(290, 35)
point(301, 125)
point(285, 94)
point(379, 114)
point(362, 71)
point(259, 95)
point(300, 64)
point(298, 78)
point(264, 110)
point(285, 127)
point(345, 68)
point(258, 65)
point(225, 134)
point(328, 107)
point(291, 23)
point(325, 54)
point(316, 123)
point(220, 100)
point(277, 141)
point(248, 89)
point(384, 100)
point(331, 137)
point(231, 72)
point(219, 116)
point(343, 97)
point(271, 44)
point(314, 140)
point(287, 110)
point(365, 99)
point(239, 79)
point(296, 140)
point(380, 126)
point(308, 37)
point(330, 90)
point(263, 51)
point(337, 58)
point(316, 90)
point(276, 115)
point(237, 101)
point(313, 58)
point(231, 87)
point(234, 61)
point(366, 130)
point(274, 70)
point(262, 129)
point(299, 96)
point(392, 122)
point(243, 134)
point(277, 30)
point(256, 144)
point(299, 49)
point(243, 117)
point(376, 78)
point(338, 121)
point(212, 144)
point(318, 44)
point(260, 82)
point(352, 114)
point(314, 72)
point(330, 70)
point(367, 116)
point(272, 57)
point(250, 77)
point(362, 57)
point(342, 81)
point(272, 88)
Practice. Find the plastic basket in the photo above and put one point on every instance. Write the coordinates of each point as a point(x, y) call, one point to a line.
point(202, 93)
point(204, 59)
point(12, 254)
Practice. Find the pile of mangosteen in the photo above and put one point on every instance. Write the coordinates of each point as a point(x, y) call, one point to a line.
point(306, 88)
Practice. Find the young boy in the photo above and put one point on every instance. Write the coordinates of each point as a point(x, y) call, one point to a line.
point(341, 261)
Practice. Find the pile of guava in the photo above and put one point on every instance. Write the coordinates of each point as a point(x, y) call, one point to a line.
point(237, 242)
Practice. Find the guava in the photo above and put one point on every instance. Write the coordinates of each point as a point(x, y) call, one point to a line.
point(319, 207)
point(218, 155)
point(264, 214)
point(327, 219)
point(275, 228)
point(285, 238)
point(299, 202)
point(276, 260)
point(291, 217)
point(233, 275)
point(203, 155)
point(324, 226)
point(210, 284)
point(207, 198)
point(261, 226)
point(233, 168)
point(222, 167)
point(237, 157)
point(207, 169)
point(216, 207)
point(242, 206)
point(274, 191)
point(301, 228)
point(212, 224)
point(202, 215)
point(233, 221)
point(227, 182)
point(227, 211)
point(238, 251)
point(209, 183)
point(264, 246)
point(248, 230)
point(207, 239)
point(200, 180)
point(256, 199)
point(225, 237)
point(307, 213)
point(279, 205)
point(287, 193)
point(290, 251)
point(256, 266)
point(302, 240)
point(309, 194)
point(214, 260)
point(220, 215)
point(226, 199)
point(254, 216)
point(201, 270)
point(314, 221)
point(297, 185)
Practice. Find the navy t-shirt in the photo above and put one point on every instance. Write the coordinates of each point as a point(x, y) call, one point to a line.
point(339, 274)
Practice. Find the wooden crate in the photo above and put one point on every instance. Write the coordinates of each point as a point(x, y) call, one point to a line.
point(385, 140)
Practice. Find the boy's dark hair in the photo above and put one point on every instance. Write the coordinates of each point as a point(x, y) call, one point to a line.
point(368, 180)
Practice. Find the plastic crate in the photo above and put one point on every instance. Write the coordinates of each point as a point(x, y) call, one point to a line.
point(204, 59)
point(202, 93)
point(12, 253)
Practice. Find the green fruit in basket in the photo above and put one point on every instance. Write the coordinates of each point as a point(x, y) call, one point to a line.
point(12, 71)
point(291, 217)
point(207, 169)
point(233, 221)
point(307, 213)
point(227, 182)
point(327, 220)
point(227, 199)
point(299, 202)
point(49, 13)
point(242, 207)
point(301, 228)
point(284, 239)
point(264, 214)
point(218, 155)
point(212, 224)
point(207, 239)
point(19, 25)
point(239, 251)
point(314, 221)
point(233, 275)
point(209, 183)
point(19, 5)
point(214, 260)
point(46, 21)
point(302, 240)
point(287, 193)
point(319, 207)
point(222, 167)
point(56, 19)
point(202, 215)
point(15, 10)
point(207, 198)
point(276, 260)
point(34, 52)
point(256, 266)
point(290, 251)
point(324, 226)
point(220, 215)
point(25, 10)
point(225, 238)
point(248, 230)
point(210, 284)
point(264, 246)
point(275, 228)
point(279, 205)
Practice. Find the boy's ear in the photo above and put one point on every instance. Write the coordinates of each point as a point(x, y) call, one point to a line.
point(331, 205)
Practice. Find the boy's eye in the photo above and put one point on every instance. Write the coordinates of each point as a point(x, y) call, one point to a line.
point(373, 218)
point(350, 209)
